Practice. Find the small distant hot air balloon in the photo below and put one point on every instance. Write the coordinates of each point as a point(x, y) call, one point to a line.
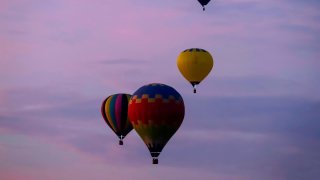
point(114, 111)
point(195, 64)
point(156, 111)
point(203, 3)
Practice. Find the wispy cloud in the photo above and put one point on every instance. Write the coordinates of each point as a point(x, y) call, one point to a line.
point(123, 61)
point(255, 116)
point(248, 132)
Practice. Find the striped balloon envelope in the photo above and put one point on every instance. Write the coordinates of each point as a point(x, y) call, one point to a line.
point(156, 111)
point(114, 111)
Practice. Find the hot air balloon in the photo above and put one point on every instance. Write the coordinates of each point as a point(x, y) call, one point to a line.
point(114, 111)
point(156, 111)
point(195, 64)
point(203, 3)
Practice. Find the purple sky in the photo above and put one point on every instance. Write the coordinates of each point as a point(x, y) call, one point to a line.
point(256, 116)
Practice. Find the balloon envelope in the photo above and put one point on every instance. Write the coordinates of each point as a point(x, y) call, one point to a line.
point(156, 111)
point(195, 64)
point(114, 111)
point(203, 3)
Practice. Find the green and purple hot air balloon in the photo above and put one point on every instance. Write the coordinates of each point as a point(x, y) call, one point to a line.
point(114, 111)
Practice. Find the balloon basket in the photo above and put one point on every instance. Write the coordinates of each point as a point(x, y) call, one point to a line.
point(120, 142)
point(155, 161)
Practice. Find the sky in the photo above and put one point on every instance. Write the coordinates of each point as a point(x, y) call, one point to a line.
point(256, 116)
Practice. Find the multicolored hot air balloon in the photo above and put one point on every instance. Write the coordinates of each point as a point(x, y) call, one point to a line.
point(156, 111)
point(195, 64)
point(203, 3)
point(114, 111)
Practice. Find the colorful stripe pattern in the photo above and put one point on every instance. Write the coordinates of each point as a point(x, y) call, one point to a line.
point(156, 111)
point(114, 110)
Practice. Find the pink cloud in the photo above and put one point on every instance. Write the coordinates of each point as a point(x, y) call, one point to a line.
point(55, 69)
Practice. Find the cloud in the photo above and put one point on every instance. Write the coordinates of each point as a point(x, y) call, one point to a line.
point(258, 114)
point(217, 85)
point(249, 135)
point(123, 61)
point(205, 135)
point(246, 137)
point(255, 117)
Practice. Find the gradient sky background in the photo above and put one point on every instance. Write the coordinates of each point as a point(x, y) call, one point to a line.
point(257, 116)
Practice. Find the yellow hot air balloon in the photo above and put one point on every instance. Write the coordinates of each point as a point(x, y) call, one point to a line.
point(195, 64)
